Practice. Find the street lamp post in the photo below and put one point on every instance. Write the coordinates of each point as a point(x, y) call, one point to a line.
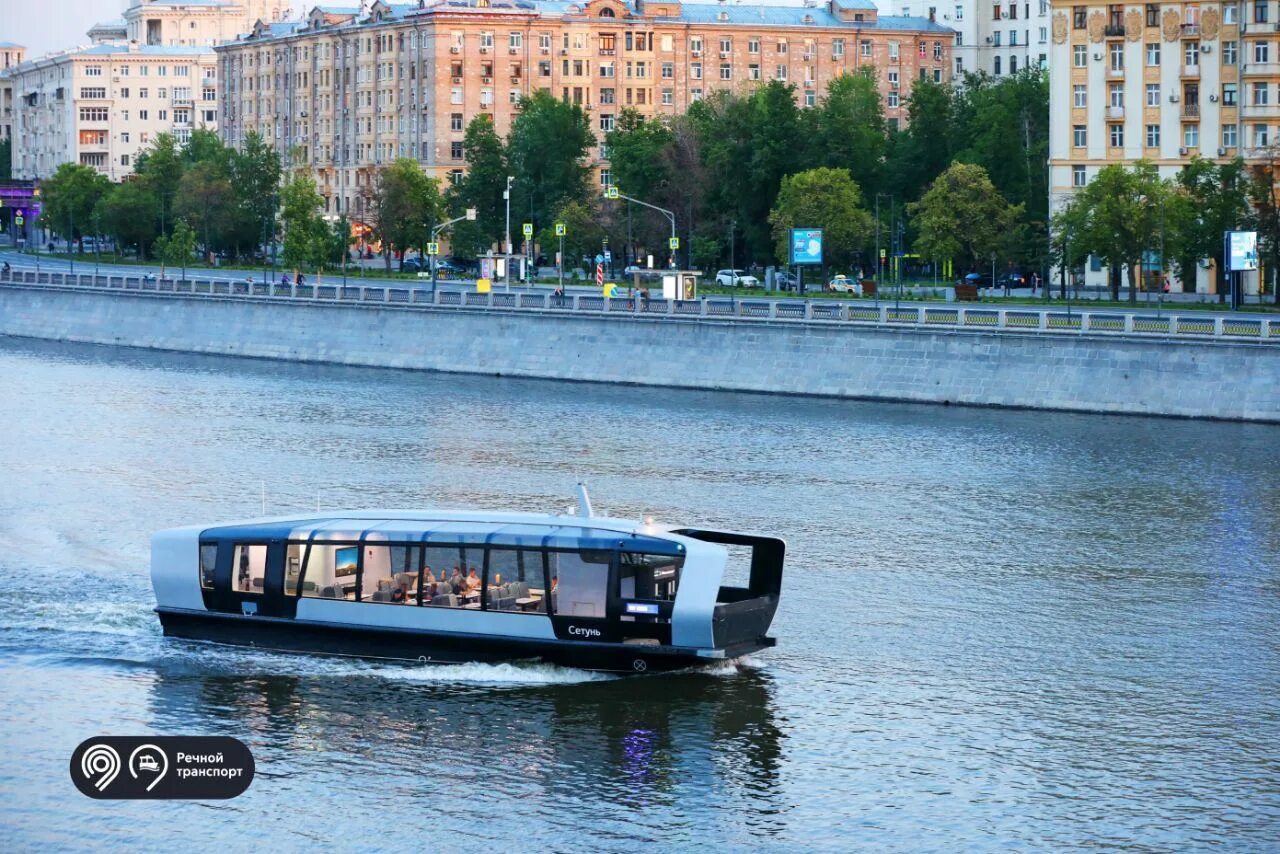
point(435, 233)
point(71, 256)
point(671, 217)
point(97, 244)
point(888, 196)
point(506, 250)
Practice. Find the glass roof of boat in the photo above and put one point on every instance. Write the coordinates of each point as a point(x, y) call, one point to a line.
point(499, 533)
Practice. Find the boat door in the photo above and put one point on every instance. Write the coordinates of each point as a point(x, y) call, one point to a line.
point(641, 596)
point(249, 579)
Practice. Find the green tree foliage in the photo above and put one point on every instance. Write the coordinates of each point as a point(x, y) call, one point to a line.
point(584, 232)
point(176, 249)
point(481, 188)
point(635, 151)
point(1117, 218)
point(161, 166)
point(1264, 195)
point(546, 151)
point(129, 212)
point(207, 201)
point(69, 198)
point(255, 174)
point(962, 216)
point(6, 159)
point(927, 146)
point(408, 204)
point(306, 234)
point(847, 129)
point(822, 198)
point(1207, 199)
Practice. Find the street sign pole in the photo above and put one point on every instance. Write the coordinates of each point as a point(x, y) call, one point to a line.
point(560, 229)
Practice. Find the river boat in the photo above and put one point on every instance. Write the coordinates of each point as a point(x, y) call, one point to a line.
point(576, 590)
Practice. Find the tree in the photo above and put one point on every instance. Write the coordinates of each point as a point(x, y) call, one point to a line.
point(6, 159)
point(408, 204)
point(1116, 217)
point(822, 198)
point(961, 216)
point(635, 153)
point(161, 165)
point(129, 212)
point(926, 148)
point(546, 151)
point(847, 129)
point(774, 154)
point(69, 197)
point(583, 231)
point(1207, 199)
point(1264, 193)
point(177, 248)
point(306, 235)
point(481, 188)
point(255, 174)
point(207, 202)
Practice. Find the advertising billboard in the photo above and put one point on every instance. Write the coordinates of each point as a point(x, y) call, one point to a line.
point(806, 246)
point(1242, 251)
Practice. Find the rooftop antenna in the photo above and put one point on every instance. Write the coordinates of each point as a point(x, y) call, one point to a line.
point(584, 500)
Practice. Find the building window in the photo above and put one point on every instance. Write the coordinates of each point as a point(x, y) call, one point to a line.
point(455, 149)
point(1261, 51)
point(1079, 17)
point(1229, 136)
point(1229, 15)
point(668, 70)
point(1261, 93)
point(93, 71)
point(1117, 135)
point(695, 70)
point(837, 48)
point(607, 96)
point(1191, 136)
point(1153, 94)
point(893, 51)
point(515, 40)
point(1260, 12)
point(93, 114)
point(892, 100)
point(753, 44)
point(455, 122)
point(1078, 176)
point(1153, 136)
point(1013, 65)
point(726, 71)
point(1079, 55)
point(781, 72)
point(1228, 94)
point(1259, 136)
point(1153, 14)
point(1153, 53)
point(1191, 54)
point(753, 71)
point(1117, 56)
point(606, 122)
point(995, 65)
point(1116, 93)
point(94, 92)
point(695, 45)
point(1228, 53)
point(1079, 96)
point(668, 97)
point(810, 98)
point(1079, 136)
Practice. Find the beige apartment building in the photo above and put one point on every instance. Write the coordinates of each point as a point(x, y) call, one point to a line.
point(151, 72)
point(1164, 82)
point(10, 55)
point(344, 93)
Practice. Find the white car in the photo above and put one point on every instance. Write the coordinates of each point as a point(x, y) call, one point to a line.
point(844, 285)
point(736, 278)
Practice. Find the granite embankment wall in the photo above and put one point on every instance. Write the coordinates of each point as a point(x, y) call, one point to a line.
point(1076, 372)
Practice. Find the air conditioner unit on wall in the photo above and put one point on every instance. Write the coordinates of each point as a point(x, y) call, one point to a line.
point(1206, 48)
point(1182, 151)
point(1213, 99)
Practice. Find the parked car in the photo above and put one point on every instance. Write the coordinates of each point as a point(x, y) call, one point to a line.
point(1012, 280)
point(736, 279)
point(784, 281)
point(413, 265)
point(842, 284)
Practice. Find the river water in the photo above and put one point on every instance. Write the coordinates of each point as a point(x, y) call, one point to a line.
point(998, 629)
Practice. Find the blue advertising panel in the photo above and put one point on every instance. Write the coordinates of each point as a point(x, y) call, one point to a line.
point(1242, 251)
point(806, 246)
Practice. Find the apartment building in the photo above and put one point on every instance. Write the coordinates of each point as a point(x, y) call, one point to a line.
point(999, 37)
point(151, 72)
point(11, 55)
point(344, 92)
point(102, 105)
point(1160, 81)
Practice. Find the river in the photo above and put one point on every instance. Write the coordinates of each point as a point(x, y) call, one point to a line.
point(998, 629)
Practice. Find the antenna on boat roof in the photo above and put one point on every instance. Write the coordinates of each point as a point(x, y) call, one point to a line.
point(584, 500)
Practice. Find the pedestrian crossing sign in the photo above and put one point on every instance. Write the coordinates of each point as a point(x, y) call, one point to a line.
point(674, 243)
point(560, 229)
point(528, 229)
point(611, 192)
point(433, 248)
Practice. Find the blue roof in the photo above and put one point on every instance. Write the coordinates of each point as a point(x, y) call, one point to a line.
point(10, 45)
point(143, 50)
point(795, 16)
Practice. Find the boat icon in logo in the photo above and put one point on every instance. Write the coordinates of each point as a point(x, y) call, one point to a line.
point(149, 758)
point(148, 763)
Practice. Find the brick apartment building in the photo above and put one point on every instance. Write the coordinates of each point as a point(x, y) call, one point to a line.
point(346, 91)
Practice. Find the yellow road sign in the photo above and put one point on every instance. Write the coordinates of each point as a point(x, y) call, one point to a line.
point(560, 231)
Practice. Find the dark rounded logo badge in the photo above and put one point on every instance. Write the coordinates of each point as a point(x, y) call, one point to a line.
point(197, 767)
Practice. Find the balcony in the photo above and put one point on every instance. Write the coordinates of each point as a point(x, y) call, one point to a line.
point(1190, 31)
point(1261, 69)
point(1191, 70)
point(1114, 112)
point(1114, 72)
point(1113, 31)
point(1260, 111)
point(1190, 111)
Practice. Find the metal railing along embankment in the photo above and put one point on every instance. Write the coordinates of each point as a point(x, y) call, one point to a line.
point(1029, 320)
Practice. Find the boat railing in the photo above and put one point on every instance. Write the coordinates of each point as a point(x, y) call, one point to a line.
point(1163, 323)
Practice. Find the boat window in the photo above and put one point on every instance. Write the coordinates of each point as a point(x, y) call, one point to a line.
point(250, 566)
point(449, 587)
point(579, 582)
point(516, 581)
point(293, 568)
point(208, 561)
point(376, 582)
point(330, 571)
point(652, 578)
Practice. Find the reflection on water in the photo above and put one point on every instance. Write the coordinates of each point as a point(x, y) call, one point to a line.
point(997, 629)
